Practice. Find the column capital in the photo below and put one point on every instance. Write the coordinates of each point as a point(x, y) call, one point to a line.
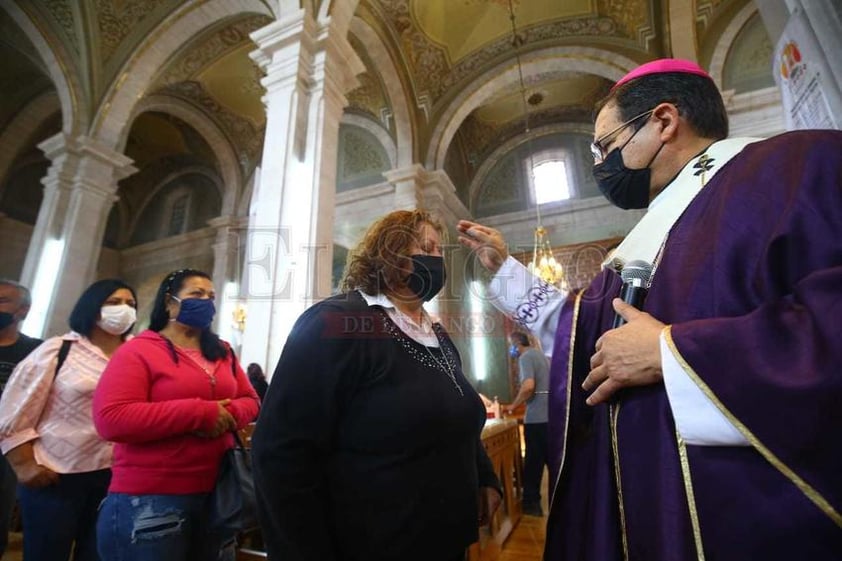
point(85, 164)
point(277, 36)
point(85, 146)
point(346, 62)
point(438, 195)
point(413, 172)
point(229, 221)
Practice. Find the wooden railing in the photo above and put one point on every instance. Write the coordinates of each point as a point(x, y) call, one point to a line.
point(501, 438)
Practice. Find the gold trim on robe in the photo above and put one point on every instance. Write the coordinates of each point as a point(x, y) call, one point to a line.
point(814, 496)
point(691, 496)
point(613, 413)
point(576, 304)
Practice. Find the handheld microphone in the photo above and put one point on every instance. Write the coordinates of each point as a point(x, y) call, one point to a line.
point(635, 275)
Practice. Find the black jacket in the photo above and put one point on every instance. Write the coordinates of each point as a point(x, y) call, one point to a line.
point(365, 449)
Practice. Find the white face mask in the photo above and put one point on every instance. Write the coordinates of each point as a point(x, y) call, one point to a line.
point(116, 320)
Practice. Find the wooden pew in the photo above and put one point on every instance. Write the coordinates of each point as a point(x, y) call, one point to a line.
point(501, 438)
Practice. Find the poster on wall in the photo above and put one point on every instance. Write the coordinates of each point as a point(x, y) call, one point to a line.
point(809, 94)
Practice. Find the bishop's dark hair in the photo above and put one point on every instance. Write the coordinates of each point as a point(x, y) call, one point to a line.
point(696, 97)
point(209, 342)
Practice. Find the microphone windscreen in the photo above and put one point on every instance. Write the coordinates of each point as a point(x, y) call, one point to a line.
point(636, 270)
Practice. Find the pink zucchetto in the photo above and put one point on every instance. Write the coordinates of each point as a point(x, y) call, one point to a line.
point(662, 66)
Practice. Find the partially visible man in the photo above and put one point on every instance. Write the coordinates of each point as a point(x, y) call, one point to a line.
point(704, 426)
point(534, 374)
point(15, 301)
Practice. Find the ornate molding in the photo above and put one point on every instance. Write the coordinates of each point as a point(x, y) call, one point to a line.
point(481, 138)
point(705, 10)
point(246, 138)
point(62, 12)
point(222, 41)
point(368, 98)
point(117, 20)
point(434, 74)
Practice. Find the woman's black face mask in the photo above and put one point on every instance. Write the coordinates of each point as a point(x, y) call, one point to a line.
point(427, 276)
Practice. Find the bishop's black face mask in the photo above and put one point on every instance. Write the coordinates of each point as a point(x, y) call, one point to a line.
point(624, 187)
point(427, 276)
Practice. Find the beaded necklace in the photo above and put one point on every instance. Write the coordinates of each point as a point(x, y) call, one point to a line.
point(447, 363)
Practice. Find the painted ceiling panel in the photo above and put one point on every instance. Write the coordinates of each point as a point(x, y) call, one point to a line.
point(464, 26)
point(234, 80)
point(576, 89)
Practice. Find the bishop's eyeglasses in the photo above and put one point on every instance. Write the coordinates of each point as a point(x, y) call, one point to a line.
point(599, 145)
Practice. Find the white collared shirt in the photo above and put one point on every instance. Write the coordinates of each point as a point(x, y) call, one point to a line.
point(423, 333)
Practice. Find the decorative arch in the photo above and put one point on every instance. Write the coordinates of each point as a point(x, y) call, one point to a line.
point(404, 124)
point(587, 60)
point(499, 152)
point(166, 181)
point(726, 41)
point(375, 128)
point(139, 71)
point(74, 112)
point(216, 139)
point(18, 135)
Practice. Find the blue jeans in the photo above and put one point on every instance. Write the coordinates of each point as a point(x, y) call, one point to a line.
point(59, 515)
point(159, 528)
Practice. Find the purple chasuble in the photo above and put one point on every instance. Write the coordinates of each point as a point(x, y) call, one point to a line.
point(751, 283)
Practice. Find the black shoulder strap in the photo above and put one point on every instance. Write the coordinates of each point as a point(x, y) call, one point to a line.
point(233, 362)
point(62, 355)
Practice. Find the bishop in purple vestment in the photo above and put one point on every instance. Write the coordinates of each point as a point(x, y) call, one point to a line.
point(707, 426)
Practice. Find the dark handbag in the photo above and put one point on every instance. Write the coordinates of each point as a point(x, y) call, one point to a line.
point(232, 505)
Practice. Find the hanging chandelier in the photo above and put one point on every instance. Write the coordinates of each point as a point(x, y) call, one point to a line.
point(544, 264)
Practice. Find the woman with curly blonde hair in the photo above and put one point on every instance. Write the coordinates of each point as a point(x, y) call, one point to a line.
point(368, 445)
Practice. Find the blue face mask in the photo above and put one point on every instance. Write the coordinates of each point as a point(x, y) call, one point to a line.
point(196, 312)
point(513, 351)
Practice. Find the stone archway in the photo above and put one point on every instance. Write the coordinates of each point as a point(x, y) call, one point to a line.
point(726, 40)
point(18, 134)
point(74, 112)
point(140, 70)
point(228, 163)
point(555, 59)
point(394, 89)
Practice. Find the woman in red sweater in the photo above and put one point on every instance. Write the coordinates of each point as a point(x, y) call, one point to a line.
point(169, 400)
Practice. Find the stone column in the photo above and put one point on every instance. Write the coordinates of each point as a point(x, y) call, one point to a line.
point(408, 183)
point(682, 30)
point(79, 191)
point(309, 65)
point(226, 252)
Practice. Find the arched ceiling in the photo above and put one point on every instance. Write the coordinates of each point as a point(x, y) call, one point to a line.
point(444, 47)
point(439, 47)
point(468, 27)
point(214, 73)
point(96, 38)
point(22, 74)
